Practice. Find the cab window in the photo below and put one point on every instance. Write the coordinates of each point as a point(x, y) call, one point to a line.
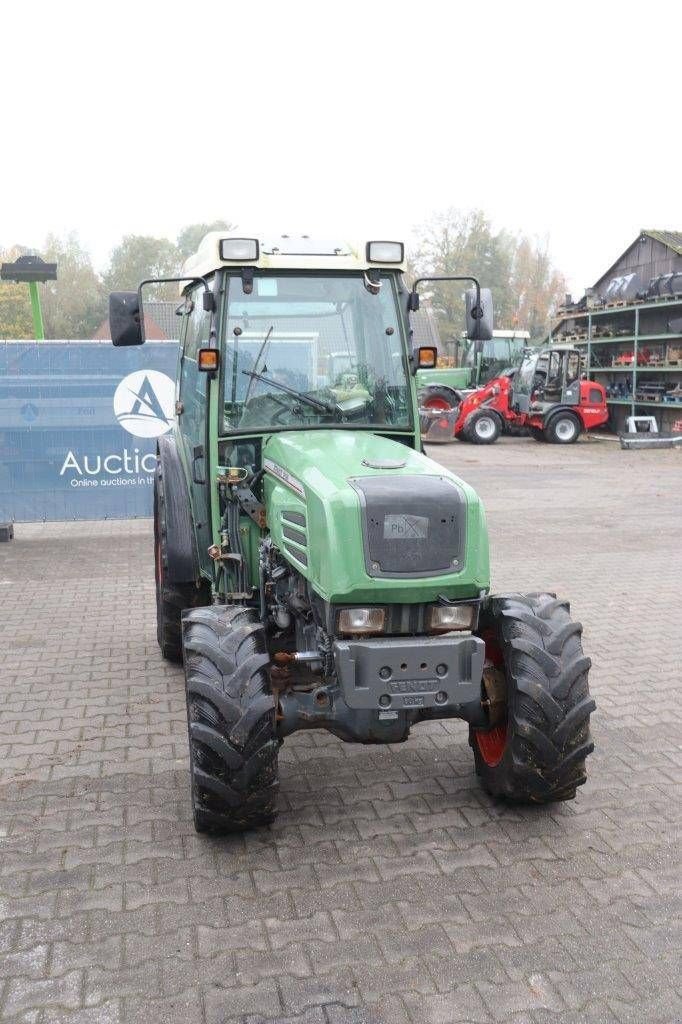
point(192, 382)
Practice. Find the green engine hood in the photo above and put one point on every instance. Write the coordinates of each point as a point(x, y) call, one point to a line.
point(363, 518)
point(449, 377)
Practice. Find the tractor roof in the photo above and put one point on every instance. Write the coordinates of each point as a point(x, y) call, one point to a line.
point(286, 252)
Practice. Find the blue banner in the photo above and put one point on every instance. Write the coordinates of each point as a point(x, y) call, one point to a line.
point(79, 421)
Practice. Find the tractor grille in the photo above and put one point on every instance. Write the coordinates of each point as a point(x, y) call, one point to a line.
point(294, 532)
point(412, 525)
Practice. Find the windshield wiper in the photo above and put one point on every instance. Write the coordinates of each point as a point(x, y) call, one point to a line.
point(314, 402)
point(266, 339)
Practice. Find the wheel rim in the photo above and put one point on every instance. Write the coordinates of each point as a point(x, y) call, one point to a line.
point(565, 429)
point(485, 428)
point(437, 404)
point(491, 745)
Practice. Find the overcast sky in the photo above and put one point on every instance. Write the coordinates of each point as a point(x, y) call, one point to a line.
point(356, 119)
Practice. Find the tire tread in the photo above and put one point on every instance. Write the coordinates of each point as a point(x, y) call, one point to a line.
point(549, 701)
point(230, 718)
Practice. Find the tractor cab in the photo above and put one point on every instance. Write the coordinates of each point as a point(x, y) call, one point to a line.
point(546, 378)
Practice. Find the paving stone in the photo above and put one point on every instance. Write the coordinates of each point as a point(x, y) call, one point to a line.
point(462, 1004)
point(185, 1008)
point(109, 1012)
point(391, 888)
point(511, 997)
point(252, 965)
point(318, 927)
point(402, 944)
point(24, 994)
point(337, 987)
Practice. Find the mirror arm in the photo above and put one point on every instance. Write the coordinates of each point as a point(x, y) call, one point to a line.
point(209, 300)
point(473, 281)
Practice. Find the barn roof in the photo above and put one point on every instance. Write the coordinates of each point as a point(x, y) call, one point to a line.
point(673, 239)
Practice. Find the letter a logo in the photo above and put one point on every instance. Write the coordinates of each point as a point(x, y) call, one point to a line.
point(143, 403)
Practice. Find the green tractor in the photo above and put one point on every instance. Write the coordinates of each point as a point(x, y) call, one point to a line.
point(314, 569)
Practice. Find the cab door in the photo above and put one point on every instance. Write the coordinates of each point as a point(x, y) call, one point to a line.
point(571, 390)
point(193, 419)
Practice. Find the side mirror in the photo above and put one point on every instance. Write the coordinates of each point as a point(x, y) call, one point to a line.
point(479, 319)
point(413, 301)
point(125, 320)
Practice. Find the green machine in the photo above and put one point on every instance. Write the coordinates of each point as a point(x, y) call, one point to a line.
point(314, 569)
point(440, 389)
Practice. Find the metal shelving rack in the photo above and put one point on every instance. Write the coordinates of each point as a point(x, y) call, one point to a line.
point(636, 339)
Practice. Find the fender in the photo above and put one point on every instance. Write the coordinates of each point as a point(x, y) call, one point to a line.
point(573, 411)
point(486, 407)
point(183, 564)
point(493, 396)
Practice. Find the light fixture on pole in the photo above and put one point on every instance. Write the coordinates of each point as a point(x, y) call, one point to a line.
point(31, 270)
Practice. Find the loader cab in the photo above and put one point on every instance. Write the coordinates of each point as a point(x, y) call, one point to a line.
point(495, 357)
point(547, 377)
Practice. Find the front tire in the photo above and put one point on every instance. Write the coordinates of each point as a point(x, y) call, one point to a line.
point(233, 743)
point(483, 428)
point(564, 428)
point(535, 750)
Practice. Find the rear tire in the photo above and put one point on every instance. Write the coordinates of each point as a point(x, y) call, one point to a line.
point(564, 428)
point(171, 598)
point(483, 428)
point(233, 743)
point(436, 397)
point(536, 753)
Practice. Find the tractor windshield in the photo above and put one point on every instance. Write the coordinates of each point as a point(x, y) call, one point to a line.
point(312, 350)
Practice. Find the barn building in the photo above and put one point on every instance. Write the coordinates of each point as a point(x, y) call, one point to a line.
point(629, 327)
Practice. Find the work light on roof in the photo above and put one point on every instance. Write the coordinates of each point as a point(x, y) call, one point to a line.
point(385, 252)
point(239, 249)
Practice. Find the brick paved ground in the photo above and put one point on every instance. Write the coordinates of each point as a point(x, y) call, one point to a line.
point(391, 889)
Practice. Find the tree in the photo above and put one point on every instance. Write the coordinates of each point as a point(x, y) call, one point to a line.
point(16, 320)
point(457, 242)
point(525, 285)
point(537, 286)
point(190, 236)
point(75, 304)
point(138, 257)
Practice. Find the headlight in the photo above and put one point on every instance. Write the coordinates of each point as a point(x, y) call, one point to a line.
point(239, 249)
point(385, 252)
point(362, 620)
point(441, 618)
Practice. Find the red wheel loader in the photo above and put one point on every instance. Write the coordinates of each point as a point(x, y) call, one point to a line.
point(544, 396)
